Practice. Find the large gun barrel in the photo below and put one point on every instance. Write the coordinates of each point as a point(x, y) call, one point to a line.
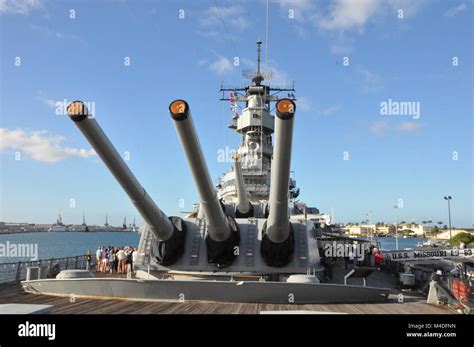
point(221, 239)
point(243, 208)
point(159, 224)
point(278, 244)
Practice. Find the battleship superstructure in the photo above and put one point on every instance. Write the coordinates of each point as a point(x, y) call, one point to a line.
point(242, 229)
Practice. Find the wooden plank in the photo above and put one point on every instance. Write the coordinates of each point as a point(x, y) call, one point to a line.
point(413, 303)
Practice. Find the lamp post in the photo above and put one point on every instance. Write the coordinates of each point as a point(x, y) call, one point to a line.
point(396, 227)
point(369, 228)
point(448, 198)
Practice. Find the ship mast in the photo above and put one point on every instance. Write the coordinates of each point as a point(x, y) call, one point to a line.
point(256, 125)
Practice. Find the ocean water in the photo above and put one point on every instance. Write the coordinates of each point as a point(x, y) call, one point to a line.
point(66, 244)
point(69, 244)
point(389, 243)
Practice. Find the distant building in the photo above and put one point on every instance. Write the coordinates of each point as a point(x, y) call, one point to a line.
point(369, 230)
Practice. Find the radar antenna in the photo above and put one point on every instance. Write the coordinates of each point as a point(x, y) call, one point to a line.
point(259, 76)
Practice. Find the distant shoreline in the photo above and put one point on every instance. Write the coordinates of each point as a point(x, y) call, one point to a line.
point(64, 232)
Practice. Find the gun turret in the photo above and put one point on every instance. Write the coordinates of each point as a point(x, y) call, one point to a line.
point(168, 232)
point(223, 234)
point(277, 245)
point(243, 208)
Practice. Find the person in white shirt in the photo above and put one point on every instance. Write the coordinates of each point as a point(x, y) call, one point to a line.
point(121, 256)
point(98, 259)
point(134, 256)
point(351, 258)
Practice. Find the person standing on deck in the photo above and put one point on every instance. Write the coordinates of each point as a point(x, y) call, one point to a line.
point(129, 260)
point(351, 257)
point(88, 259)
point(105, 260)
point(378, 260)
point(112, 259)
point(98, 259)
point(121, 256)
point(134, 257)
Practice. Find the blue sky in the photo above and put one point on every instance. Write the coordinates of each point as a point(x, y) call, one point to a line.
point(403, 56)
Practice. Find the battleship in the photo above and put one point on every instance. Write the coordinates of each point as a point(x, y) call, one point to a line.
point(248, 240)
point(59, 225)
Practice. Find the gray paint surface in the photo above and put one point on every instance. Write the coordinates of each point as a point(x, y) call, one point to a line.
point(306, 256)
point(206, 290)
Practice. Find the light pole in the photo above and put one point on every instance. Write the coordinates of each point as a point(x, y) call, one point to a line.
point(448, 198)
point(369, 228)
point(396, 227)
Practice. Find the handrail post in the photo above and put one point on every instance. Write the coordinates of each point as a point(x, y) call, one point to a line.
point(18, 272)
point(50, 266)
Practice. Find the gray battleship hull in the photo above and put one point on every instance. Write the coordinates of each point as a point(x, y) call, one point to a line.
point(207, 290)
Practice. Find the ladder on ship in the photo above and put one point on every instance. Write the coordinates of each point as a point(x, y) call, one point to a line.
point(196, 243)
point(144, 249)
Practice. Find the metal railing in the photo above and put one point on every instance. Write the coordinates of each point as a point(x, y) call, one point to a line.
point(16, 272)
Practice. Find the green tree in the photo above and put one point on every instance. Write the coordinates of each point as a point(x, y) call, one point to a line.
point(466, 238)
point(435, 230)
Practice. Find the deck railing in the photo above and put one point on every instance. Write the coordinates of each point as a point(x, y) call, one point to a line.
point(16, 272)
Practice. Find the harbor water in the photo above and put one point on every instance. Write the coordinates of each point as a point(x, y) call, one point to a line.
point(64, 244)
point(69, 244)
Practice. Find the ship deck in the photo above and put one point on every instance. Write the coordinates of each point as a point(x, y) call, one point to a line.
point(413, 303)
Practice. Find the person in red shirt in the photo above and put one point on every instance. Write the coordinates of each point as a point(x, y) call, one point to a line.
point(378, 260)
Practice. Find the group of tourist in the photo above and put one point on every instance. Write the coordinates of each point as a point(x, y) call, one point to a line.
point(115, 259)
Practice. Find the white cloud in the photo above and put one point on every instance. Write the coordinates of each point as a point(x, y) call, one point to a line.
point(233, 15)
point(51, 33)
point(51, 103)
point(328, 111)
point(19, 6)
point(379, 128)
point(341, 44)
point(455, 10)
point(40, 146)
point(338, 19)
point(407, 127)
point(349, 14)
point(371, 82)
point(385, 127)
point(217, 35)
point(301, 10)
point(221, 66)
point(304, 104)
